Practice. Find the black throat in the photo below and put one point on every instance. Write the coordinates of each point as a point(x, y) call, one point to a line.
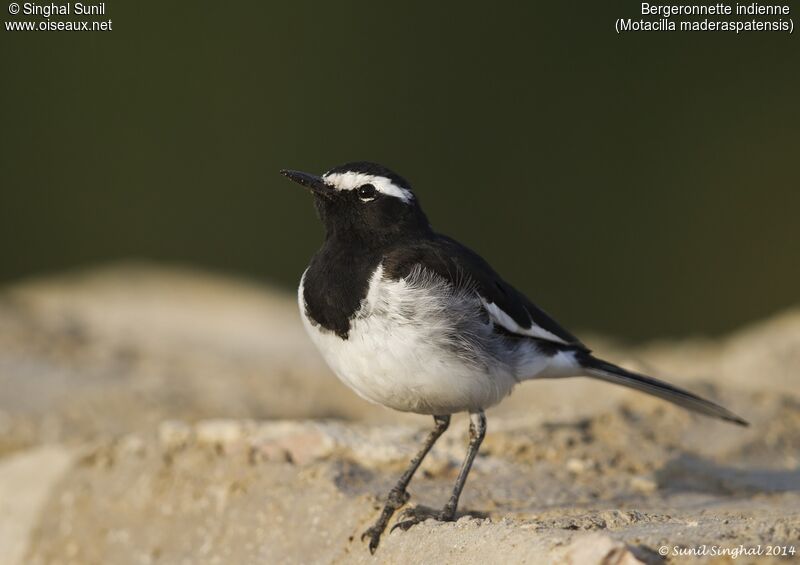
point(359, 232)
point(336, 282)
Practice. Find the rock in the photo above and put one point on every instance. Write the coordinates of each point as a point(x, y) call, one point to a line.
point(210, 431)
point(295, 442)
point(224, 433)
point(598, 549)
point(27, 479)
point(174, 435)
point(644, 485)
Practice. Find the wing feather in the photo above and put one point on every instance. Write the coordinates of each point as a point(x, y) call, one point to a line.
point(505, 305)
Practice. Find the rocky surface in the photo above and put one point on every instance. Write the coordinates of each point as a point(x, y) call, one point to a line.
point(167, 416)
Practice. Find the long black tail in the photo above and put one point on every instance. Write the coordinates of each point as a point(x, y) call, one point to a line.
point(605, 371)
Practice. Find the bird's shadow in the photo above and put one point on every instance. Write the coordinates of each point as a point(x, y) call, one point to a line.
point(690, 473)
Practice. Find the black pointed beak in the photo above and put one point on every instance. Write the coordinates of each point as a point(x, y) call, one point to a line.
point(312, 182)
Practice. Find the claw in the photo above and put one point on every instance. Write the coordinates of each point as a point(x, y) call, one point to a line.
point(396, 499)
point(412, 516)
point(405, 525)
point(374, 539)
point(407, 513)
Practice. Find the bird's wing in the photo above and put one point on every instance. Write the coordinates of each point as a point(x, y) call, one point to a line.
point(506, 306)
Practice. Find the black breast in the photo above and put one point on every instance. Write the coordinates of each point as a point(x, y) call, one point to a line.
point(336, 282)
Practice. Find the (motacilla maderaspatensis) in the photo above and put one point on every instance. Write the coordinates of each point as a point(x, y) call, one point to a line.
point(415, 321)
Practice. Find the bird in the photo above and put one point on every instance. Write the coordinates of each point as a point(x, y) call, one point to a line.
point(417, 322)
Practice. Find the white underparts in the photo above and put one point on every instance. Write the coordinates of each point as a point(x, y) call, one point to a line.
point(421, 345)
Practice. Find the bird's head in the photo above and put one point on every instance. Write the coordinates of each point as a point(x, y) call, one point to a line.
point(364, 201)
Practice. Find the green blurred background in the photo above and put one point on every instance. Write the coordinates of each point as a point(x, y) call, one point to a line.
point(638, 185)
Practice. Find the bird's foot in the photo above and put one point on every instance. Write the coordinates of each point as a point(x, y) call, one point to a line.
point(418, 514)
point(373, 533)
point(395, 500)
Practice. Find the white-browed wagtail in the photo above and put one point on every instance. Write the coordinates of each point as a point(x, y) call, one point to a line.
point(415, 321)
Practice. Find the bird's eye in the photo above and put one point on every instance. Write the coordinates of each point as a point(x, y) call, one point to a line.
point(366, 192)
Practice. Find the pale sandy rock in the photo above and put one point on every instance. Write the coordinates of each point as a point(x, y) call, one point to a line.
point(297, 442)
point(210, 431)
point(220, 432)
point(173, 434)
point(644, 485)
point(27, 479)
point(598, 549)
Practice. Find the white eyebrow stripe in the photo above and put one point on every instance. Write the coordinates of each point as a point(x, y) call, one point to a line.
point(351, 180)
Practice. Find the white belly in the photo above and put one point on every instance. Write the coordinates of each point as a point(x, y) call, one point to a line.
point(405, 351)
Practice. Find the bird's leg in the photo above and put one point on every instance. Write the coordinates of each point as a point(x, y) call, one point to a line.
point(477, 430)
point(398, 495)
